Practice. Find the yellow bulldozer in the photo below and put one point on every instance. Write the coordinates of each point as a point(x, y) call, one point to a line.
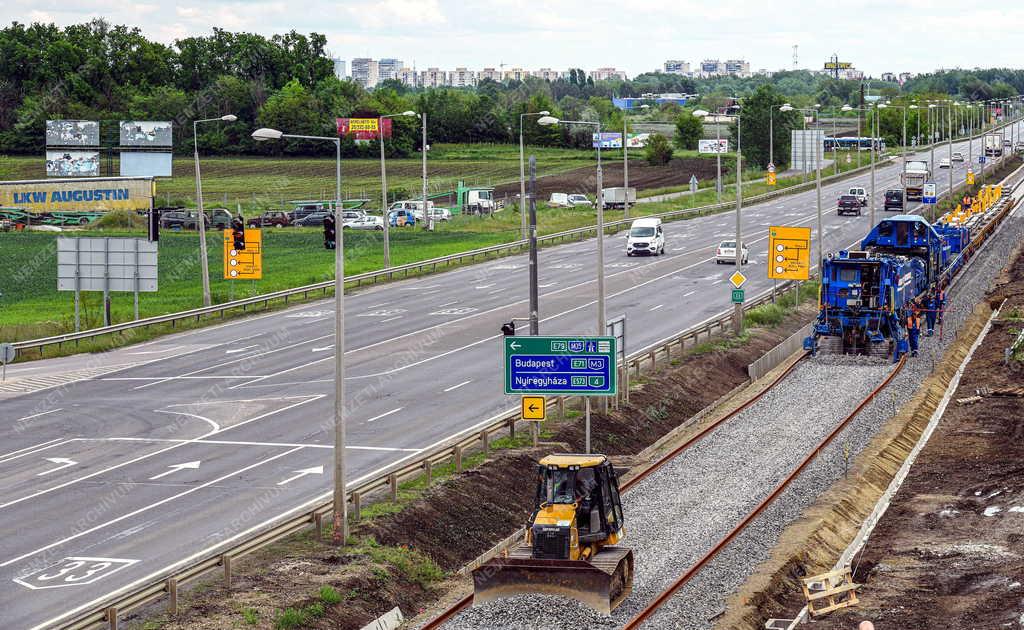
point(569, 549)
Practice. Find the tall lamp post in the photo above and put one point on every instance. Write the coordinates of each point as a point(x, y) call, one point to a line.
point(848, 108)
point(384, 186)
point(737, 313)
point(625, 163)
point(817, 169)
point(601, 319)
point(523, 208)
point(204, 265)
point(903, 148)
point(340, 533)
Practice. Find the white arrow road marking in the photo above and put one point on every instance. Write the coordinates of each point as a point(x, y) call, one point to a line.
point(317, 470)
point(63, 461)
point(323, 349)
point(386, 413)
point(237, 350)
point(175, 468)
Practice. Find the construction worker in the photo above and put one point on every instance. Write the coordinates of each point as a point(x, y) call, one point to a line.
point(931, 309)
point(966, 203)
point(940, 300)
point(913, 329)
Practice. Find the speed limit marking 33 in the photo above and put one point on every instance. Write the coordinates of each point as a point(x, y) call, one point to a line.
point(73, 572)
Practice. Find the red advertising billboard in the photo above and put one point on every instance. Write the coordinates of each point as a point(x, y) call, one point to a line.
point(363, 128)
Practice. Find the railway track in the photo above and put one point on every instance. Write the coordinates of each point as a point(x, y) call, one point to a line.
point(655, 604)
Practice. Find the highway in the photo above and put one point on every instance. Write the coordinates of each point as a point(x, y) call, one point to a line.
point(114, 467)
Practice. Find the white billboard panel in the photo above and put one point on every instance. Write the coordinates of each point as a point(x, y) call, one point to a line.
point(713, 146)
point(72, 164)
point(145, 133)
point(106, 262)
point(72, 133)
point(139, 164)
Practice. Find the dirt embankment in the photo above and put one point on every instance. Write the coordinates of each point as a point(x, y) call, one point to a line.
point(642, 176)
point(397, 562)
point(949, 551)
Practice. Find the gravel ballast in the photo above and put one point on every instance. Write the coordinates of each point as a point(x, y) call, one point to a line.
point(675, 515)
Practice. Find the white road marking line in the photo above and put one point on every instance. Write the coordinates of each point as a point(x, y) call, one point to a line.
point(149, 507)
point(453, 387)
point(40, 446)
point(380, 305)
point(216, 427)
point(172, 348)
point(385, 414)
point(237, 350)
point(36, 415)
point(315, 470)
point(63, 461)
point(322, 349)
point(689, 294)
point(654, 308)
point(416, 288)
point(236, 443)
point(495, 291)
point(157, 452)
point(447, 304)
point(176, 378)
point(484, 286)
point(390, 319)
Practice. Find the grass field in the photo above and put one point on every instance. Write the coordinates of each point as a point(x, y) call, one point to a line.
point(259, 182)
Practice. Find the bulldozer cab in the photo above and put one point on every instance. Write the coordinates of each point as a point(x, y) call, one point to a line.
point(587, 485)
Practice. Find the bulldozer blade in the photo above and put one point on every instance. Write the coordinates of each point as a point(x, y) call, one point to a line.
point(602, 583)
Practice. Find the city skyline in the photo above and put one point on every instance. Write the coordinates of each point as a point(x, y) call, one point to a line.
point(439, 33)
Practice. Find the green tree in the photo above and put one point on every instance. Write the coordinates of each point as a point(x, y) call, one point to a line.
point(755, 124)
point(689, 130)
point(658, 150)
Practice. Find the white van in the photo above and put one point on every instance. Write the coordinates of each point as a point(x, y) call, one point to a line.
point(566, 200)
point(645, 236)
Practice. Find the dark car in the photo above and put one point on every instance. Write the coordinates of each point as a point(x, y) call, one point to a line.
point(893, 199)
point(313, 219)
point(218, 218)
point(270, 218)
point(301, 211)
point(849, 204)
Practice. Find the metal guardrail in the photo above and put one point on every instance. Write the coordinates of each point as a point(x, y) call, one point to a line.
point(450, 451)
point(423, 266)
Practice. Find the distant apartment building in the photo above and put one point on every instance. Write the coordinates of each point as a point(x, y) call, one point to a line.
point(605, 74)
point(716, 68)
point(737, 67)
point(339, 68)
point(516, 74)
point(905, 76)
point(365, 72)
point(408, 77)
point(711, 68)
point(461, 77)
point(677, 66)
point(548, 74)
point(388, 68)
point(489, 73)
point(433, 77)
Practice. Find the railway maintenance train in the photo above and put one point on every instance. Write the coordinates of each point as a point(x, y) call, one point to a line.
point(865, 295)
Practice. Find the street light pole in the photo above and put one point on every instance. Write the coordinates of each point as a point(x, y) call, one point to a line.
point(204, 264)
point(737, 310)
point(522, 171)
point(384, 184)
point(426, 210)
point(340, 532)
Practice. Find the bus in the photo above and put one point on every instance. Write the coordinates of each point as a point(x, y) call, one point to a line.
point(848, 144)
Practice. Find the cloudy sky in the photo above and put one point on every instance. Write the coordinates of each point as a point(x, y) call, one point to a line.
point(875, 35)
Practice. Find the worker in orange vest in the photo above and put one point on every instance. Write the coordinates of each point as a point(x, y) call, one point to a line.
point(913, 329)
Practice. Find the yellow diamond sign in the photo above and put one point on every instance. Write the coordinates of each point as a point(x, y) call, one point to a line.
point(737, 279)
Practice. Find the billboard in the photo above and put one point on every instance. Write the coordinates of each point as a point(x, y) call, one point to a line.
point(838, 65)
point(72, 133)
point(613, 140)
point(72, 163)
point(145, 164)
point(145, 133)
point(114, 264)
point(713, 146)
point(364, 128)
point(101, 193)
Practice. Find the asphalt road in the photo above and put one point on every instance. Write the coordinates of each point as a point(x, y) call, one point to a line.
point(115, 467)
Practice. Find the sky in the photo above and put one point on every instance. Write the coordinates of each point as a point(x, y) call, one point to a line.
point(875, 35)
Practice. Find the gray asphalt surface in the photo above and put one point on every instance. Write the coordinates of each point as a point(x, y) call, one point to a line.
point(115, 467)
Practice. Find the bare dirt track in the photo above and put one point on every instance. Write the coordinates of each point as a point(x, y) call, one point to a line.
point(949, 552)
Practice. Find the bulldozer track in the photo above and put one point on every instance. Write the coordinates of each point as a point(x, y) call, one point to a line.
point(466, 601)
point(640, 618)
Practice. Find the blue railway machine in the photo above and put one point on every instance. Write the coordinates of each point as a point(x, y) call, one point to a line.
point(866, 295)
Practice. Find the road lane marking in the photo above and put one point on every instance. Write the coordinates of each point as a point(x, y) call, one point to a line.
point(171, 349)
point(216, 427)
point(175, 468)
point(454, 387)
point(390, 319)
point(237, 350)
point(689, 294)
point(150, 506)
point(36, 415)
point(654, 308)
point(155, 453)
point(322, 349)
point(24, 451)
point(63, 461)
point(385, 414)
point(237, 443)
point(447, 304)
point(176, 378)
point(315, 470)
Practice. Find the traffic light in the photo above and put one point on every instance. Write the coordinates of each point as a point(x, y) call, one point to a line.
point(508, 329)
point(154, 225)
point(238, 234)
point(330, 232)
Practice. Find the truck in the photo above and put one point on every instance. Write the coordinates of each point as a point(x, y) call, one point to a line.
point(474, 199)
point(915, 175)
point(76, 201)
point(618, 196)
point(993, 145)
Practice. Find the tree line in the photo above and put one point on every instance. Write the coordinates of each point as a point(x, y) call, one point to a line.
point(99, 71)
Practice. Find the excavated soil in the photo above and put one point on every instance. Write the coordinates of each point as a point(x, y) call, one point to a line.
point(949, 552)
point(464, 516)
point(642, 176)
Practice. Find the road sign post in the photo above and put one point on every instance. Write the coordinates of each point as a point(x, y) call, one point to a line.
point(244, 264)
point(7, 355)
point(790, 249)
point(737, 296)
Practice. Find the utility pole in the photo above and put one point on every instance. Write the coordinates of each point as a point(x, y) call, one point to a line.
point(534, 297)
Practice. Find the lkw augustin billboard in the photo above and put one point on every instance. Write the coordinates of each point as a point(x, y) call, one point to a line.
point(94, 193)
point(364, 129)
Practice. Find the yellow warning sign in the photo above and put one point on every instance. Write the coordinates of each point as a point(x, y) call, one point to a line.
point(770, 179)
point(534, 407)
point(737, 279)
point(789, 249)
point(244, 264)
point(970, 177)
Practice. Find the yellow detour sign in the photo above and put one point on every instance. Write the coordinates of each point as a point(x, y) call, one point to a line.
point(534, 407)
point(970, 177)
point(245, 264)
point(789, 250)
point(770, 178)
